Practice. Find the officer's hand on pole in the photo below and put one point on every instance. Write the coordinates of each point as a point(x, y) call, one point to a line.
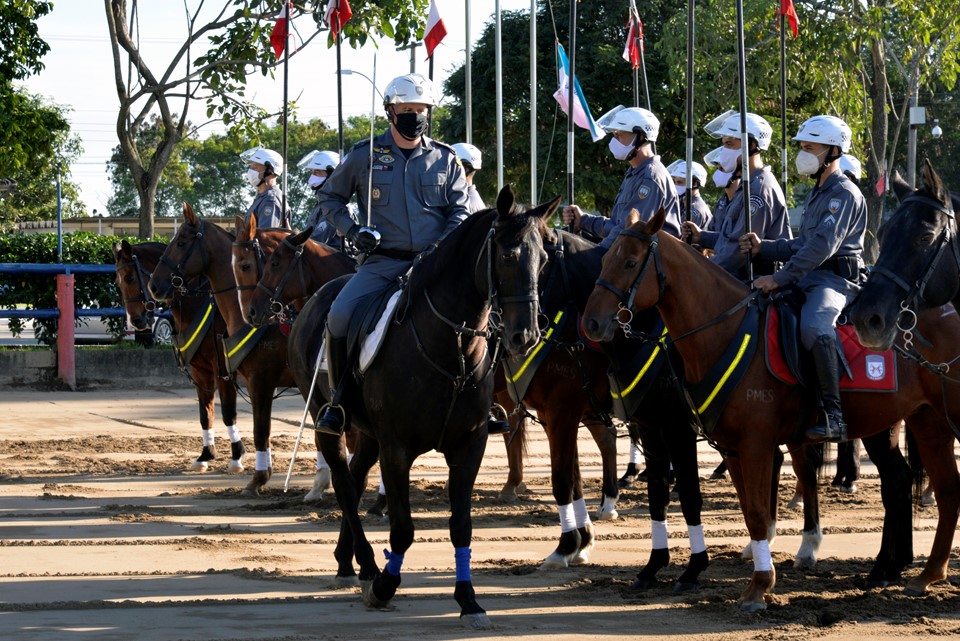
point(571, 216)
point(364, 239)
point(690, 232)
point(750, 244)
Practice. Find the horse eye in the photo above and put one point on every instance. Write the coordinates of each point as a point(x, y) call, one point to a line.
point(129, 278)
point(245, 267)
point(631, 263)
point(926, 238)
point(275, 264)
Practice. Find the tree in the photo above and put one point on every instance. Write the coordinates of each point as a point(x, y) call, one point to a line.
point(238, 35)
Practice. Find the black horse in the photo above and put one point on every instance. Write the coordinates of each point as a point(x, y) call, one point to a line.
point(430, 385)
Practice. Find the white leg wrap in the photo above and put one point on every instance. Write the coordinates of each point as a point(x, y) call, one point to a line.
point(761, 556)
point(264, 461)
point(321, 462)
point(771, 532)
point(208, 437)
point(658, 534)
point(580, 515)
point(635, 454)
point(382, 489)
point(697, 542)
point(234, 433)
point(568, 521)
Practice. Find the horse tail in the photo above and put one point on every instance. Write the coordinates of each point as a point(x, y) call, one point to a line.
point(918, 474)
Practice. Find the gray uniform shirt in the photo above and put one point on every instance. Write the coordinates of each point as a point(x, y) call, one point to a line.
point(267, 207)
point(700, 214)
point(834, 223)
point(646, 188)
point(768, 217)
point(414, 201)
point(476, 202)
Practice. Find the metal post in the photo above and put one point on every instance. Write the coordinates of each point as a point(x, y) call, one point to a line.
point(66, 355)
point(744, 138)
point(468, 79)
point(783, 100)
point(691, 34)
point(912, 142)
point(59, 219)
point(339, 95)
point(286, 85)
point(533, 102)
point(571, 97)
point(499, 72)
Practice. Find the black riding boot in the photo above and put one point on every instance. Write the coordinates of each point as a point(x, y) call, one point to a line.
point(497, 422)
point(334, 416)
point(830, 426)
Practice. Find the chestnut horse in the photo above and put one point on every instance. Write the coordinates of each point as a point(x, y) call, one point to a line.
point(250, 250)
point(703, 308)
point(135, 264)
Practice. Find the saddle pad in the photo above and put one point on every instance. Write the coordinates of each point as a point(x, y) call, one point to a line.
point(371, 344)
point(872, 371)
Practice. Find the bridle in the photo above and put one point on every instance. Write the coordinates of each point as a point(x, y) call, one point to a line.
point(177, 278)
point(625, 298)
point(276, 304)
point(917, 291)
point(149, 304)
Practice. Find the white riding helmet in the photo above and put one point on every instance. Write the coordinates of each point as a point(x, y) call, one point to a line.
point(712, 157)
point(323, 160)
point(826, 130)
point(468, 153)
point(678, 169)
point(728, 124)
point(264, 156)
point(630, 119)
point(850, 164)
point(411, 88)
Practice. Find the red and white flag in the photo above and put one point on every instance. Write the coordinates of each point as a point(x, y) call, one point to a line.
point(435, 30)
point(338, 12)
point(787, 9)
point(278, 37)
point(631, 52)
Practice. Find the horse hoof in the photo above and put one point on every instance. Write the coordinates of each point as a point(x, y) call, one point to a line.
point(199, 467)
point(681, 588)
point(554, 562)
point(235, 467)
point(914, 590)
point(804, 563)
point(796, 503)
point(849, 489)
point(320, 484)
point(642, 584)
point(479, 621)
point(928, 500)
point(876, 584)
point(582, 556)
point(750, 607)
point(370, 599)
point(344, 582)
point(609, 515)
point(250, 493)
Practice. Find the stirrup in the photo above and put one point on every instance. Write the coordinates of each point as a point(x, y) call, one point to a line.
point(327, 427)
point(497, 422)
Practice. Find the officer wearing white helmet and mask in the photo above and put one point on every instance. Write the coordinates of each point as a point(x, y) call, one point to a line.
point(647, 185)
point(472, 160)
point(320, 164)
point(700, 211)
point(851, 168)
point(768, 208)
point(418, 195)
point(264, 167)
point(824, 261)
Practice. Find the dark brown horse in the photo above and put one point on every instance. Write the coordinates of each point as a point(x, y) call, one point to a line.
point(196, 345)
point(703, 309)
point(202, 248)
point(251, 252)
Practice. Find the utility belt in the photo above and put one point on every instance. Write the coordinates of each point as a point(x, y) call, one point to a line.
point(847, 267)
point(395, 254)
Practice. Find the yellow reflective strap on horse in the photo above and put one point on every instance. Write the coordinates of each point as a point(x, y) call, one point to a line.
point(723, 379)
point(533, 353)
point(200, 326)
point(643, 370)
point(253, 330)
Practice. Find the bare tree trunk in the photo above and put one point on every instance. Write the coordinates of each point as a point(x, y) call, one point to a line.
point(148, 197)
point(878, 152)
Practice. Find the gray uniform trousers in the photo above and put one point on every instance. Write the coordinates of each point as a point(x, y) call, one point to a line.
point(827, 294)
point(375, 275)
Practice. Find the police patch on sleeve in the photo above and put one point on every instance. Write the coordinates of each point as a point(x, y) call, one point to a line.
point(756, 204)
point(643, 192)
point(834, 205)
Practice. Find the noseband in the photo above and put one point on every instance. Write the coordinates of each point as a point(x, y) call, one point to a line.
point(148, 303)
point(626, 298)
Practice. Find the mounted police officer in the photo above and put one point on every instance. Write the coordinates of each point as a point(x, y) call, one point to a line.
point(418, 195)
point(768, 207)
point(320, 164)
point(825, 261)
point(265, 166)
point(472, 160)
point(700, 213)
point(646, 186)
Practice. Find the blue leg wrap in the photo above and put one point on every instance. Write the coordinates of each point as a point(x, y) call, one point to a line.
point(394, 562)
point(462, 558)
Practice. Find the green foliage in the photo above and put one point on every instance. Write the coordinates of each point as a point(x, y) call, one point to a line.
point(39, 291)
point(22, 46)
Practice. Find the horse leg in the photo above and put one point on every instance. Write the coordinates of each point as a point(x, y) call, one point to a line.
point(561, 426)
point(464, 465)
point(395, 471)
point(657, 460)
point(807, 461)
point(936, 446)
point(322, 480)
point(682, 442)
point(896, 543)
point(227, 390)
point(203, 382)
point(800, 491)
point(753, 486)
point(261, 398)
point(747, 553)
point(606, 439)
point(516, 445)
point(634, 450)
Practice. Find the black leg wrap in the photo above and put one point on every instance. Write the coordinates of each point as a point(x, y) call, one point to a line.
point(467, 598)
point(208, 453)
point(385, 586)
point(237, 450)
point(690, 579)
point(647, 577)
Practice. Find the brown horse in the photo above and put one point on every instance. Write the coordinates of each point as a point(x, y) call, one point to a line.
point(135, 264)
point(202, 248)
point(703, 309)
point(251, 250)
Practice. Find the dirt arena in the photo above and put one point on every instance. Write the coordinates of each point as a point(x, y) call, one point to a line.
point(105, 536)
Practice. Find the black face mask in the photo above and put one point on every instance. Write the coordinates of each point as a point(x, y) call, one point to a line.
point(410, 125)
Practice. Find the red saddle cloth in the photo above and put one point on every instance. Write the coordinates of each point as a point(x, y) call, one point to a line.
point(285, 327)
point(872, 371)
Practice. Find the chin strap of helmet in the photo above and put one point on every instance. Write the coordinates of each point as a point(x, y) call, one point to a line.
point(826, 161)
point(637, 143)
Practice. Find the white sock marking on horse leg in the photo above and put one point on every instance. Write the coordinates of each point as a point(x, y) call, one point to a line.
point(658, 534)
point(635, 453)
point(697, 542)
point(568, 521)
point(233, 432)
point(208, 435)
point(321, 462)
point(761, 556)
point(580, 514)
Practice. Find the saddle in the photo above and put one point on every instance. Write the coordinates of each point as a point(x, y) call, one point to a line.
point(865, 370)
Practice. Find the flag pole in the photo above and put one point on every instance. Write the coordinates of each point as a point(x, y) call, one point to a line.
point(783, 100)
point(744, 139)
point(571, 97)
point(468, 79)
point(533, 102)
point(430, 111)
point(499, 73)
point(691, 33)
point(286, 84)
point(643, 59)
point(339, 90)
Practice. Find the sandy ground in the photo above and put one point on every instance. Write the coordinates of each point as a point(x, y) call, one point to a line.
point(104, 535)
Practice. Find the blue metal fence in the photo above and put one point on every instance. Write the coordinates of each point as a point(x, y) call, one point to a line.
point(52, 269)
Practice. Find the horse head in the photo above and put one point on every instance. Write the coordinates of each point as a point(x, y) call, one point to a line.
point(185, 257)
point(626, 281)
point(517, 258)
point(247, 260)
point(131, 280)
point(918, 266)
point(276, 288)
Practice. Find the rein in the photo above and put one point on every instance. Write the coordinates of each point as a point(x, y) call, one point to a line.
point(149, 303)
point(626, 297)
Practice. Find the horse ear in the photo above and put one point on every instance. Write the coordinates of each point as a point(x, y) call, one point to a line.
point(301, 237)
point(900, 186)
point(506, 201)
point(237, 224)
point(656, 223)
point(117, 251)
point(632, 218)
point(547, 210)
point(189, 216)
point(933, 184)
point(248, 229)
